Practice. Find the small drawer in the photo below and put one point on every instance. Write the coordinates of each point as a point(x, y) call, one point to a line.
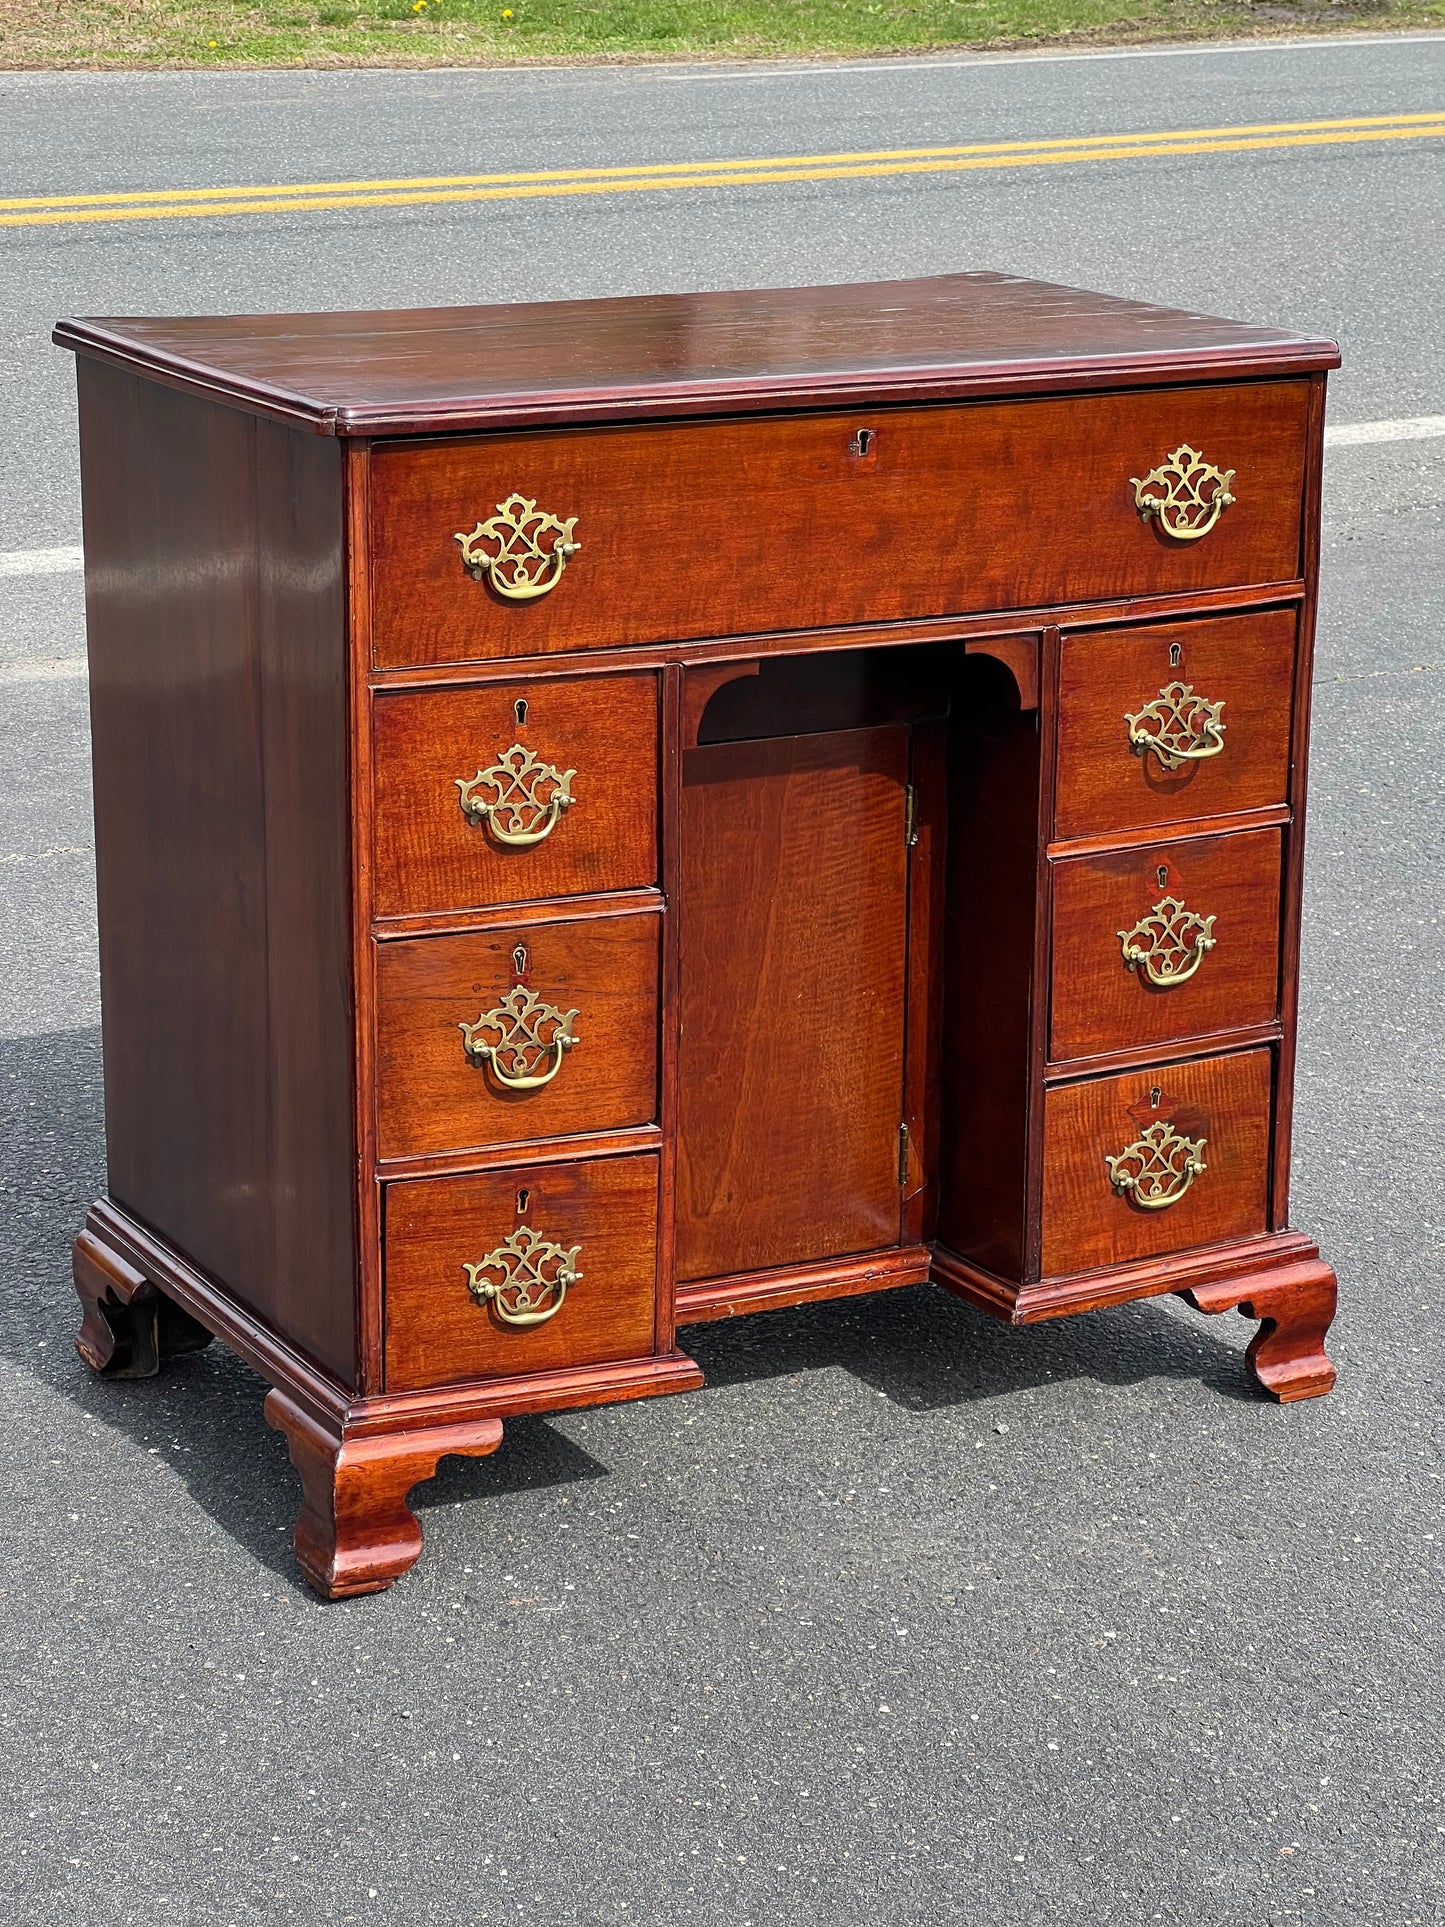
point(1155, 1161)
point(1189, 719)
point(513, 545)
point(1171, 941)
point(515, 791)
point(538, 1031)
point(528, 1270)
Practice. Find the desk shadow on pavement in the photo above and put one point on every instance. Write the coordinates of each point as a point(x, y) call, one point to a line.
point(920, 1347)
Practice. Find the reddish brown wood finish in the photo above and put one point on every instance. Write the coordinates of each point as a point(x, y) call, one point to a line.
point(1100, 1005)
point(356, 1532)
point(1245, 662)
point(430, 857)
point(217, 637)
point(992, 908)
point(1296, 1309)
point(1224, 1100)
point(1299, 762)
point(777, 524)
point(437, 1333)
point(793, 914)
point(127, 1327)
point(765, 633)
point(431, 1096)
point(802, 1284)
point(670, 354)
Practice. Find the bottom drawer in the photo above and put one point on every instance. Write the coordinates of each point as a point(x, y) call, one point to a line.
point(532, 1269)
point(1155, 1161)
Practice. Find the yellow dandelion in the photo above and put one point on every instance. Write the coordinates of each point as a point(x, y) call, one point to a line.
point(506, 13)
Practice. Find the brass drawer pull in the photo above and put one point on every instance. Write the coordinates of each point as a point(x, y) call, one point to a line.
point(519, 798)
point(531, 1278)
point(1158, 1167)
point(520, 1045)
point(1185, 494)
point(510, 549)
point(1169, 944)
point(1178, 727)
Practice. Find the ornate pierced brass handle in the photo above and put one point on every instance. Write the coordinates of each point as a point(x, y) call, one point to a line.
point(1186, 495)
point(519, 798)
point(525, 1279)
point(1178, 727)
point(1169, 944)
point(1158, 1167)
point(521, 1038)
point(511, 550)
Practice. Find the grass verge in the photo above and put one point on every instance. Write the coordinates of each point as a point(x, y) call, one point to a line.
point(420, 33)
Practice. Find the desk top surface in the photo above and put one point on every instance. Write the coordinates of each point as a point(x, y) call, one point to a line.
point(412, 371)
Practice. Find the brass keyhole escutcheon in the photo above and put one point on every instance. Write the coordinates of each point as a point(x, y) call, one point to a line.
point(519, 710)
point(1176, 656)
point(863, 443)
point(519, 956)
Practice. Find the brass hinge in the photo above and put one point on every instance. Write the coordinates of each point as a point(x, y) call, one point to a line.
point(910, 815)
point(902, 1155)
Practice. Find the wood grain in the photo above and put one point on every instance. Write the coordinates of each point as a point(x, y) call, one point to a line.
point(745, 526)
point(660, 354)
point(356, 1533)
point(430, 857)
point(1296, 1308)
point(1225, 1100)
point(216, 621)
point(432, 1097)
point(792, 907)
point(1100, 1005)
point(437, 1333)
point(991, 910)
point(1245, 662)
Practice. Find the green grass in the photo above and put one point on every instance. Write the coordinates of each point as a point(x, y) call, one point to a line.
point(271, 33)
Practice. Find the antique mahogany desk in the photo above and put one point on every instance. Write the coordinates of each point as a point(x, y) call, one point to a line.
point(617, 813)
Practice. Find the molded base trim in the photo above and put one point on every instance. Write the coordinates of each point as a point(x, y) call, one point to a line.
point(359, 1456)
point(785, 1285)
point(1279, 1279)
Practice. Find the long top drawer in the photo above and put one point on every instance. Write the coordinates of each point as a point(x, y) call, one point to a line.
point(731, 527)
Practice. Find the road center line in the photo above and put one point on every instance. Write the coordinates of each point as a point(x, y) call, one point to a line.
point(662, 177)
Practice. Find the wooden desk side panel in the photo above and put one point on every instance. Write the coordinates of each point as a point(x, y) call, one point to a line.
point(216, 616)
point(989, 927)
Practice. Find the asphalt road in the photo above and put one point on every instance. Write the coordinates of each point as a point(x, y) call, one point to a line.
point(906, 1617)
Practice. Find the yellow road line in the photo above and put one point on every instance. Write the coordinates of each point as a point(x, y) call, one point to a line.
point(299, 197)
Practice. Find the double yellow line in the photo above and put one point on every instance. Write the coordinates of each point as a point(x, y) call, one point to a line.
point(172, 204)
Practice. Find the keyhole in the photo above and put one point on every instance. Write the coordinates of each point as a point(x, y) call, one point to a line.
point(1163, 876)
point(524, 1198)
point(519, 709)
point(519, 955)
point(1154, 1097)
point(1176, 654)
point(862, 441)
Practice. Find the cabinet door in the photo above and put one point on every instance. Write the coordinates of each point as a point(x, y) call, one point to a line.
point(792, 901)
